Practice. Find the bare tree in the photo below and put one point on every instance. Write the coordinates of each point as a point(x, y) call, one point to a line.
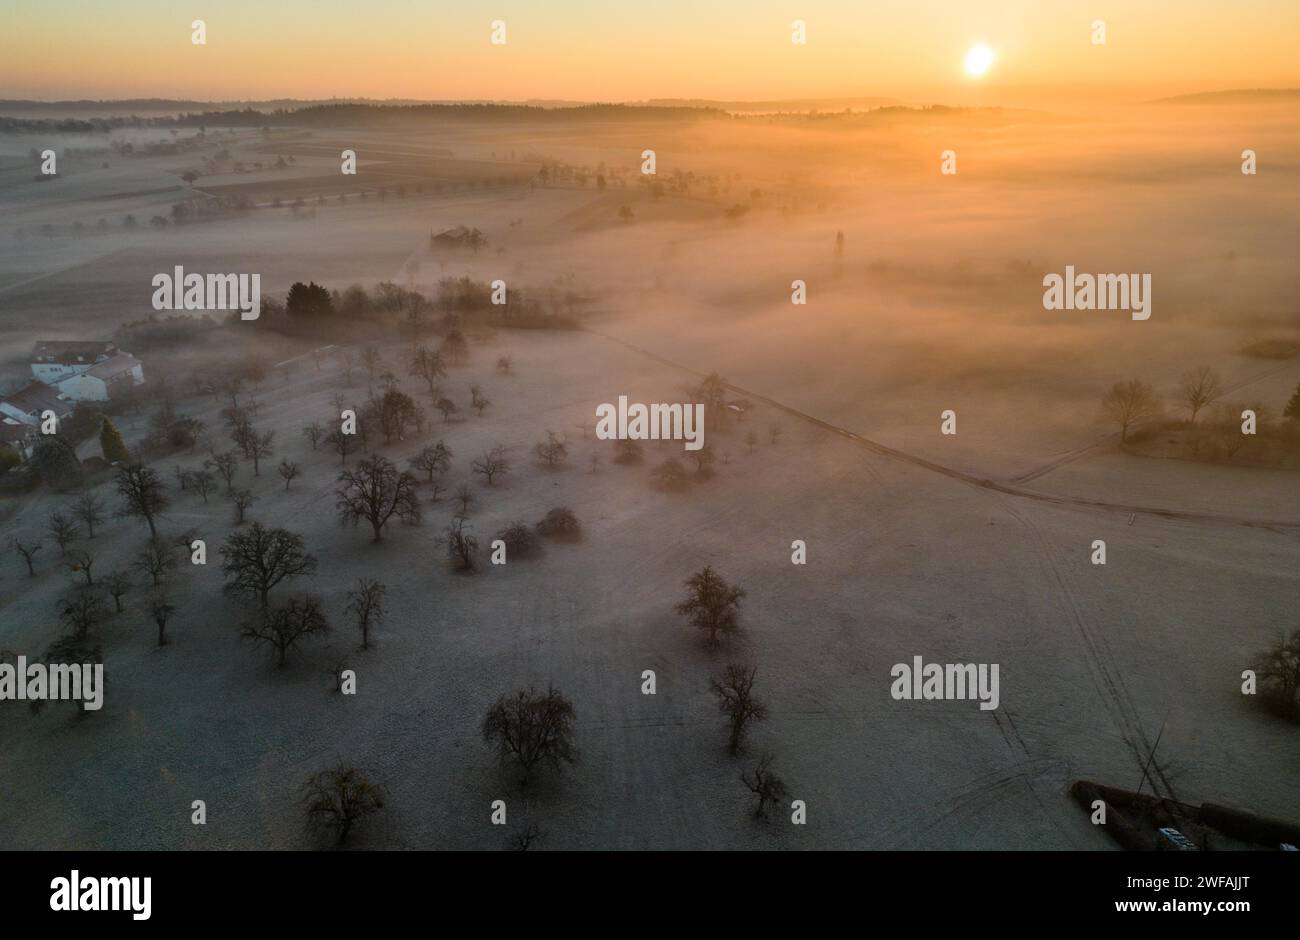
point(767, 786)
point(154, 560)
point(81, 563)
point(712, 605)
point(254, 446)
point(241, 499)
point(520, 540)
point(505, 364)
point(283, 627)
point(225, 464)
point(435, 458)
point(551, 451)
point(372, 362)
point(492, 465)
point(735, 692)
point(1200, 387)
point(117, 583)
point(461, 546)
point(288, 470)
point(560, 523)
point(774, 432)
point(531, 728)
point(27, 551)
point(464, 496)
point(80, 610)
point(143, 494)
point(343, 444)
point(366, 606)
point(201, 482)
point(1278, 672)
point(89, 509)
point(427, 365)
point(446, 406)
point(1129, 403)
point(376, 492)
point(256, 560)
point(478, 400)
point(339, 798)
point(314, 433)
point(670, 475)
point(63, 530)
point(161, 611)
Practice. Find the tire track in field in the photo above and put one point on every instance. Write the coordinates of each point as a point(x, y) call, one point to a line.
point(1106, 674)
point(971, 479)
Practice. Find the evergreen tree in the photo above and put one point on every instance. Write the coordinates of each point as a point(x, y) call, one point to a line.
point(111, 443)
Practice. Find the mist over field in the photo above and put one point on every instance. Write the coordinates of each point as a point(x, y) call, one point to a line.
point(924, 294)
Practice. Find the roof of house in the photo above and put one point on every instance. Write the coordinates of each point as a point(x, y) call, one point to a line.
point(11, 431)
point(71, 351)
point(35, 397)
point(114, 366)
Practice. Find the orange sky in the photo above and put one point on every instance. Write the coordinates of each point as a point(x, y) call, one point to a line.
point(626, 50)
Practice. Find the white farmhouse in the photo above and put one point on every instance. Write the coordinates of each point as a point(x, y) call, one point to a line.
point(54, 360)
point(104, 380)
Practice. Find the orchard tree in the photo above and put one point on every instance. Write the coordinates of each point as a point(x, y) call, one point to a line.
point(241, 499)
point(1129, 403)
point(712, 605)
point(28, 551)
point(339, 798)
point(734, 689)
point(288, 470)
point(226, 464)
point(283, 627)
point(366, 606)
point(435, 458)
point(376, 492)
point(1199, 388)
point(461, 546)
point(767, 786)
point(88, 508)
point(117, 583)
point(155, 560)
point(63, 530)
point(258, 559)
point(143, 495)
point(493, 464)
point(530, 728)
point(161, 611)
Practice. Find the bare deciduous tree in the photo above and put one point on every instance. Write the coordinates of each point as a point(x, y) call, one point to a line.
point(366, 606)
point(89, 509)
point(81, 562)
point(435, 458)
point(143, 494)
point(27, 551)
point(712, 605)
point(735, 692)
point(1200, 387)
point(288, 470)
point(339, 798)
point(257, 560)
point(767, 786)
point(551, 451)
point(492, 465)
point(63, 530)
point(531, 728)
point(154, 560)
point(1278, 672)
point(1129, 403)
point(226, 464)
point(461, 546)
point(241, 499)
point(283, 627)
point(314, 433)
point(376, 492)
point(161, 611)
point(80, 610)
point(117, 583)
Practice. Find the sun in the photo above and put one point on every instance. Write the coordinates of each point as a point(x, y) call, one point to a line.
point(978, 60)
